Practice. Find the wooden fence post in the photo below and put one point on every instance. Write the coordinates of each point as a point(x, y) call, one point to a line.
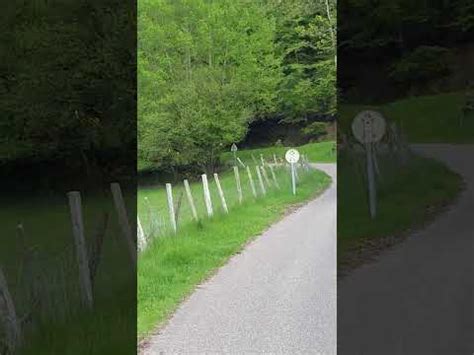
point(275, 161)
point(252, 185)
point(75, 207)
point(190, 199)
point(265, 176)
point(275, 181)
point(262, 160)
point(140, 235)
point(207, 195)
point(124, 221)
point(221, 193)
point(237, 182)
point(260, 180)
point(169, 194)
point(8, 314)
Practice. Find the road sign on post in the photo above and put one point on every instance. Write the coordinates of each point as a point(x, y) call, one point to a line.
point(234, 149)
point(292, 156)
point(369, 127)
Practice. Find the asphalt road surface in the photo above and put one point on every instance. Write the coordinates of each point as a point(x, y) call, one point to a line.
point(278, 296)
point(418, 298)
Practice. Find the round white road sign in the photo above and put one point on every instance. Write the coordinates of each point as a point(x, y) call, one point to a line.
point(292, 156)
point(368, 126)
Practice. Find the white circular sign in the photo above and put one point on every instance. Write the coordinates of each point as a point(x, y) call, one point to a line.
point(368, 126)
point(292, 156)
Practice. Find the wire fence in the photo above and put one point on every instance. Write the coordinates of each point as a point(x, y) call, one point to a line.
point(159, 209)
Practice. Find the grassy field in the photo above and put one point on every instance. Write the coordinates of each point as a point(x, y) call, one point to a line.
point(407, 195)
point(424, 119)
point(317, 152)
point(172, 266)
point(59, 324)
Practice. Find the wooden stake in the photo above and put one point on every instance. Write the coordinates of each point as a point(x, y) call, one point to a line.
point(221, 193)
point(169, 194)
point(241, 162)
point(140, 236)
point(275, 181)
point(75, 207)
point(8, 314)
point(190, 199)
point(262, 160)
point(124, 221)
point(207, 195)
point(252, 185)
point(265, 176)
point(275, 161)
point(260, 180)
point(237, 183)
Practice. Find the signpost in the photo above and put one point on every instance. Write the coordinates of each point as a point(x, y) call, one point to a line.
point(292, 156)
point(234, 149)
point(369, 127)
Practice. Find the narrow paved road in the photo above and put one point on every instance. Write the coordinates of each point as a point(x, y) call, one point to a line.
point(418, 298)
point(278, 296)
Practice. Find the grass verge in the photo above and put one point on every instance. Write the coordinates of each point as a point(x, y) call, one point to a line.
point(408, 194)
point(424, 119)
point(171, 267)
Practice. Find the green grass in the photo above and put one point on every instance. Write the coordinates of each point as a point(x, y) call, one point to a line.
point(424, 119)
point(407, 194)
point(172, 266)
point(321, 152)
point(59, 324)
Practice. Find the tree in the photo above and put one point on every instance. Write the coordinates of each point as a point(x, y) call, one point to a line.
point(66, 82)
point(306, 40)
point(205, 70)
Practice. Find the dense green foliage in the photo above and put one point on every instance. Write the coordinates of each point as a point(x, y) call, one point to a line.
point(394, 49)
point(66, 79)
point(206, 69)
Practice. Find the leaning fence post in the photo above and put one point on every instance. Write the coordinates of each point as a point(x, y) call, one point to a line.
point(252, 185)
point(190, 199)
point(8, 313)
point(140, 235)
point(75, 207)
point(221, 192)
point(275, 181)
point(207, 195)
point(265, 176)
point(241, 162)
point(123, 220)
point(260, 180)
point(237, 182)
point(169, 194)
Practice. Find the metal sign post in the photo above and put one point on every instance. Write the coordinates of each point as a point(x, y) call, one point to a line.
point(292, 156)
point(369, 127)
point(234, 149)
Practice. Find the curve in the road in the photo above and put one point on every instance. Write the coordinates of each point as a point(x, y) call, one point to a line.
point(418, 298)
point(278, 296)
